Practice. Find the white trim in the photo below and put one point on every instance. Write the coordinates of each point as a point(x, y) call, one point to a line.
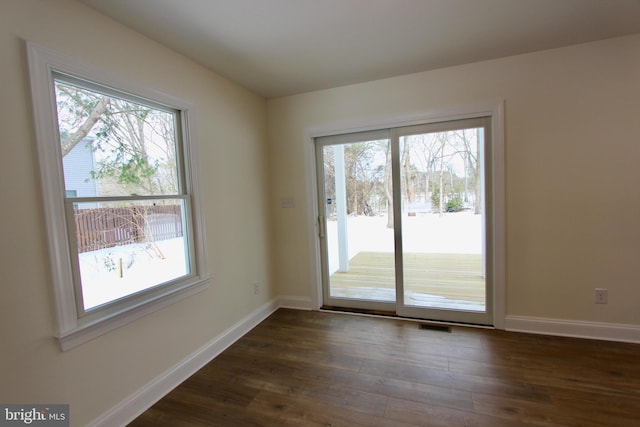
point(469, 111)
point(574, 328)
point(89, 332)
point(71, 328)
point(495, 109)
point(499, 218)
point(58, 248)
point(297, 303)
point(311, 190)
point(135, 404)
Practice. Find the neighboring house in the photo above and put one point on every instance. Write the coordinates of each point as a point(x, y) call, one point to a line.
point(77, 166)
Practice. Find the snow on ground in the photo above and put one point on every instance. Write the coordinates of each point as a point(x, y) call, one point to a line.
point(142, 268)
point(455, 233)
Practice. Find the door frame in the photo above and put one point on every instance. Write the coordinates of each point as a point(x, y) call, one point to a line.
point(494, 110)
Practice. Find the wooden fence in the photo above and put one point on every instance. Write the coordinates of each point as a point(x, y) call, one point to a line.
point(102, 228)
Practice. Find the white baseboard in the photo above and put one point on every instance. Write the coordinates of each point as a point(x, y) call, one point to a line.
point(134, 405)
point(299, 303)
point(574, 328)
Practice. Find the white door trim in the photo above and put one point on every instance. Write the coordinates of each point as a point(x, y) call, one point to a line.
point(494, 109)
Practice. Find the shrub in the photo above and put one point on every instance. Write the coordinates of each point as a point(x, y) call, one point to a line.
point(455, 203)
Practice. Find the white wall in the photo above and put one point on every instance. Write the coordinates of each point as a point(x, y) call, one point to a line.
point(572, 129)
point(230, 131)
point(572, 150)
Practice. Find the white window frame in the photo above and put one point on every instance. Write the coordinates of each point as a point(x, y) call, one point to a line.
point(73, 326)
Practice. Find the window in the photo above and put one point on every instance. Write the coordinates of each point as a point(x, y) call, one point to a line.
point(121, 202)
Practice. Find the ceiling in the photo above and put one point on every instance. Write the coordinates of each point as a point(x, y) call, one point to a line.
point(284, 47)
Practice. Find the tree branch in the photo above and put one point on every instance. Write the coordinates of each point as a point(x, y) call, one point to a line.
point(85, 128)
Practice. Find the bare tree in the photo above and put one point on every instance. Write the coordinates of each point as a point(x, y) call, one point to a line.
point(136, 143)
point(470, 151)
point(134, 147)
point(388, 185)
point(83, 130)
point(407, 171)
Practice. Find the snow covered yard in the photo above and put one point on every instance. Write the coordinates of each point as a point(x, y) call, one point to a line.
point(142, 267)
point(454, 233)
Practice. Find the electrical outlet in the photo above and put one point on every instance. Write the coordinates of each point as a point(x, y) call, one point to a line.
point(601, 296)
point(256, 288)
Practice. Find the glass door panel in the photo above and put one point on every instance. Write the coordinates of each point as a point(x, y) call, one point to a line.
point(357, 200)
point(444, 256)
point(442, 220)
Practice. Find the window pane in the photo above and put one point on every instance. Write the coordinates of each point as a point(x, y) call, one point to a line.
point(359, 221)
point(127, 247)
point(112, 147)
point(442, 232)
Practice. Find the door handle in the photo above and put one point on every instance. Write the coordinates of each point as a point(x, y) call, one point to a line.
point(321, 226)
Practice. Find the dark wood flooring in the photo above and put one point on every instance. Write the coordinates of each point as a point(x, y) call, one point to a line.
point(300, 368)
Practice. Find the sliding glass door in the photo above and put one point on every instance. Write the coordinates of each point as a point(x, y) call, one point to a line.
point(404, 220)
point(356, 188)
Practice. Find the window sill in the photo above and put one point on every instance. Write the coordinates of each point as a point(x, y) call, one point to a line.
point(93, 330)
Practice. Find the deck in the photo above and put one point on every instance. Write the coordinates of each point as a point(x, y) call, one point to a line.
point(431, 280)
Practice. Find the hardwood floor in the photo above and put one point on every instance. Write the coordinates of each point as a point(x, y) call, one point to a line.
point(300, 368)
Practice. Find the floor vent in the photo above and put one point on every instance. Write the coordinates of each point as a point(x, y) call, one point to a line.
point(438, 328)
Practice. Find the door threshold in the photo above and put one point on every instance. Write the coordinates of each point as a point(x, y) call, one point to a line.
point(394, 315)
point(350, 310)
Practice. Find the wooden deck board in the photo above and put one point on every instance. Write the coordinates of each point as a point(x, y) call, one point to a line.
point(451, 276)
